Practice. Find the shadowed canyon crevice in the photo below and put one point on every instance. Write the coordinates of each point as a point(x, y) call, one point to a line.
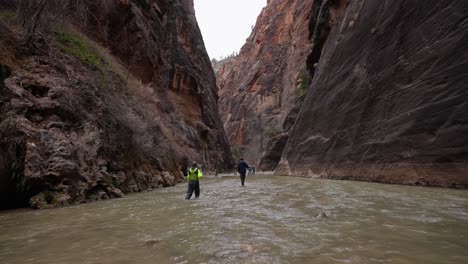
point(385, 97)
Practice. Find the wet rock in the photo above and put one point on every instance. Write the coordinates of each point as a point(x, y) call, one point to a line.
point(150, 242)
point(114, 192)
point(322, 214)
point(46, 200)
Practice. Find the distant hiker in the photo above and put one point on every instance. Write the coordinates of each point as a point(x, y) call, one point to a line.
point(253, 170)
point(242, 169)
point(194, 176)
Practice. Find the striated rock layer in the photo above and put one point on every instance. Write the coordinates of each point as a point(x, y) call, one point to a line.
point(102, 98)
point(263, 86)
point(389, 98)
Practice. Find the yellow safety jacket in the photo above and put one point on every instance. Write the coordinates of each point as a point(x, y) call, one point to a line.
point(194, 174)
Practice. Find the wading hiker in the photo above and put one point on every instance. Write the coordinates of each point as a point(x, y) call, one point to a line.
point(193, 177)
point(242, 169)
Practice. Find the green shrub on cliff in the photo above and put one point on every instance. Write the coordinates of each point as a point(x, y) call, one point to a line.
point(7, 15)
point(78, 47)
point(272, 131)
point(302, 84)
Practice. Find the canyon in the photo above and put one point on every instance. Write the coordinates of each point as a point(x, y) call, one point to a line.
point(103, 99)
point(99, 99)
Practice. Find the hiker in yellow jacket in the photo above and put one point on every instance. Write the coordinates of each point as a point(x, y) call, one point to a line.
point(193, 177)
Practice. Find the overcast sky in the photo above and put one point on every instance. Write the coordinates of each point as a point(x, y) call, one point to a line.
point(225, 24)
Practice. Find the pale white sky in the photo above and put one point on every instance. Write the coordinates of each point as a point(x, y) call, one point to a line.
point(225, 24)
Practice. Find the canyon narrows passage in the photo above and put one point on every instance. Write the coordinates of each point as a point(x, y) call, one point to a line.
point(104, 99)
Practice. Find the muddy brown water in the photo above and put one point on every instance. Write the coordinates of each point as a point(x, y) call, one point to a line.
point(271, 220)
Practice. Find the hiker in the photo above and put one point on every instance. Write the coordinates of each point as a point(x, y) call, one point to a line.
point(242, 169)
point(194, 176)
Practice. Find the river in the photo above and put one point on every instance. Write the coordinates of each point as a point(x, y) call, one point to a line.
point(270, 220)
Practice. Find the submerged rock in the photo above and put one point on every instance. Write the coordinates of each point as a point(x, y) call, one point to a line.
point(322, 214)
point(150, 242)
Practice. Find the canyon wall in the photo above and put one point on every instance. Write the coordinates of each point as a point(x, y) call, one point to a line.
point(102, 98)
point(261, 89)
point(389, 98)
point(358, 89)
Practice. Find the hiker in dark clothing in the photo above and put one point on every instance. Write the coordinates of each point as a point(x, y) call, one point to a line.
point(194, 176)
point(242, 169)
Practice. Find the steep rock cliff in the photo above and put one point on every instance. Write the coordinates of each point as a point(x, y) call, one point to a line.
point(264, 84)
point(102, 98)
point(389, 98)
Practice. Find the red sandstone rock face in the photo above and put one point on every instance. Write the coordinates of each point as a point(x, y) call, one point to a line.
point(259, 88)
point(74, 131)
point(388, 101)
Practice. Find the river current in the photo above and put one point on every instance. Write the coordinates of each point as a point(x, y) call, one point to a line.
point(270, 220)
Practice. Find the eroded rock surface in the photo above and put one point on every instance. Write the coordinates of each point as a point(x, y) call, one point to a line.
point(389, 98)
point(77, 127)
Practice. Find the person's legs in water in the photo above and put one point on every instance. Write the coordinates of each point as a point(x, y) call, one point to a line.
point(191, 188)
point(197, 189)
point(242, 176)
